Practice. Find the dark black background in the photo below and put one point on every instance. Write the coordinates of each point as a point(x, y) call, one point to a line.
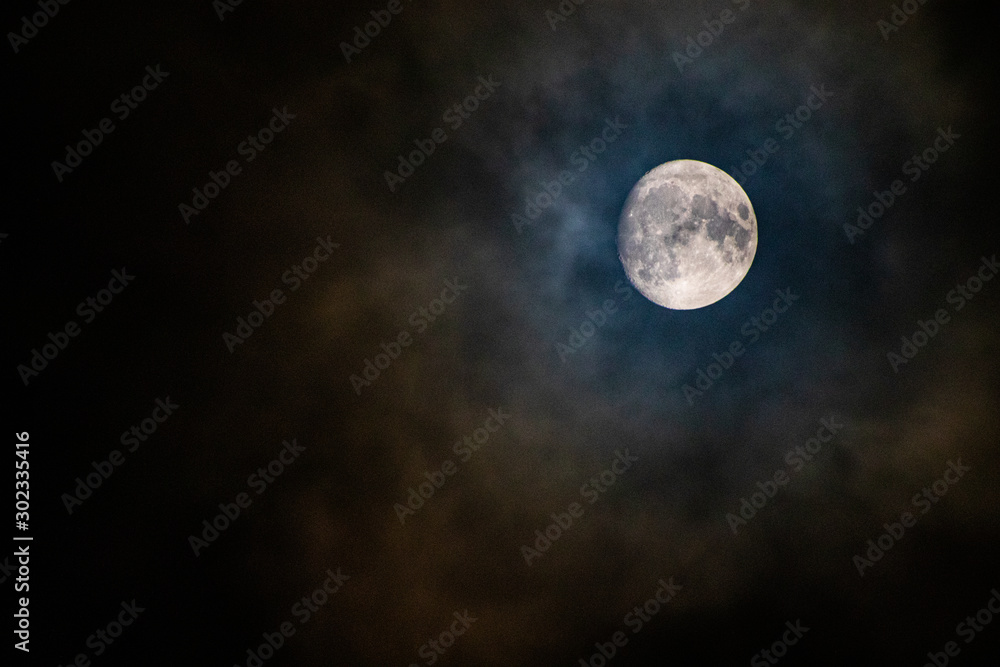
point(324, 175)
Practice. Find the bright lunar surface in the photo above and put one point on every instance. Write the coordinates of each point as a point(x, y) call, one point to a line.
point(687, 235)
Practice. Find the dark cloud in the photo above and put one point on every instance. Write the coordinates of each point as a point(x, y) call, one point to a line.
point(530, 287)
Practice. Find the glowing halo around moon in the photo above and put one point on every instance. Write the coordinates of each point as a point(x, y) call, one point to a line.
point(687, 235)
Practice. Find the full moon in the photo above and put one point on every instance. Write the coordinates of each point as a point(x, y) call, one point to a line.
point(687, 235)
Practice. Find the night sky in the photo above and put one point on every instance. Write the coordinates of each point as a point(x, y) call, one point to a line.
point(321, 340)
